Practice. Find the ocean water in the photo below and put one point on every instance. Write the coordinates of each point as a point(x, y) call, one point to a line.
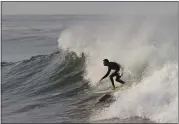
point(52, 64)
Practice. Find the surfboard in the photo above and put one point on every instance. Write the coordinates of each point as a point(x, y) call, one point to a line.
point(110, 90)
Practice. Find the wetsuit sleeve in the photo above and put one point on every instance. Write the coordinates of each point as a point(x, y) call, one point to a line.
point(109, 70)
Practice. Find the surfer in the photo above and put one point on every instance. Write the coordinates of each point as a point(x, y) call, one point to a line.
point(112, 66)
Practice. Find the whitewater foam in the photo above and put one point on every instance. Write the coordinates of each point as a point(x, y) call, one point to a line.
point(149, 58)
point(154, 98)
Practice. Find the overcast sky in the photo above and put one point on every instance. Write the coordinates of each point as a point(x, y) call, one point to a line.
point(85, 8)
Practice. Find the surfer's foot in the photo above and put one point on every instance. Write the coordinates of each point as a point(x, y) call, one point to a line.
point(120, 81)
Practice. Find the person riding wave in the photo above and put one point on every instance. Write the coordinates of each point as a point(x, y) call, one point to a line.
point(112, 66)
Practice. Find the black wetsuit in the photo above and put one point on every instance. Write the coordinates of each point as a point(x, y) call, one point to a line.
point(114, 66)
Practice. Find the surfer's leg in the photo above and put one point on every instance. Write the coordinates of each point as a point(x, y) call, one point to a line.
point(118, 78)
point(112, 81)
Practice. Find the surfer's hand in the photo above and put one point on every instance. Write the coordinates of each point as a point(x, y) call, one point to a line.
point(101, 80)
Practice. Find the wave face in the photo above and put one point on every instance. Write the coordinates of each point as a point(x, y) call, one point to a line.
point(45, 88)
point(147, 48)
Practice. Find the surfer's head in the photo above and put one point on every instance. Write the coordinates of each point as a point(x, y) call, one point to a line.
point(105, 62)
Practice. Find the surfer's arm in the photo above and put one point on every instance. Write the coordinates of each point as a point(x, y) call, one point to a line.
point(109, 70)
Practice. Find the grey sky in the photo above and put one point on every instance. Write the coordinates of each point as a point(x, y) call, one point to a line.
point(111, 8)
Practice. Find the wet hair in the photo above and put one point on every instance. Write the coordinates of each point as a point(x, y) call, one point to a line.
point(106, 60)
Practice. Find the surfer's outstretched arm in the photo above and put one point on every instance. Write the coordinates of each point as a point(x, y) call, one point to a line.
point(109, 70)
